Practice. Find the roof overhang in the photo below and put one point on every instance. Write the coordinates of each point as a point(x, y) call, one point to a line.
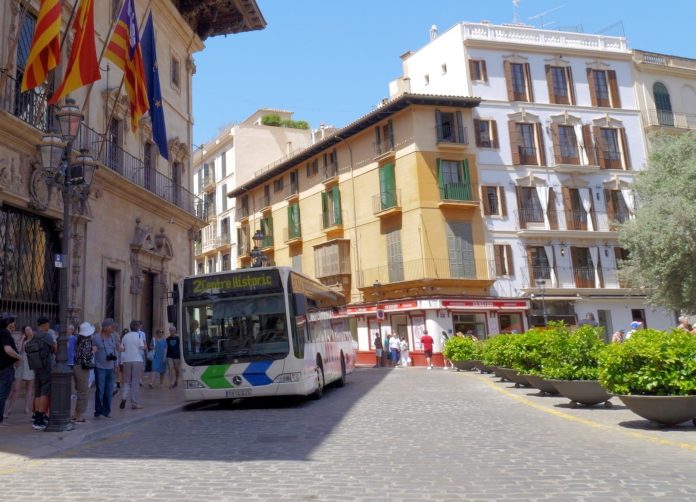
point(209, 18)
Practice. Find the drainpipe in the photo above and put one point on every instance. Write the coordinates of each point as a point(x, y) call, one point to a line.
point(355, 220)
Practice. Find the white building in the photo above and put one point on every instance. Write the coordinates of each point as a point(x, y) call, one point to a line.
point(239, 153)
point(559, 138)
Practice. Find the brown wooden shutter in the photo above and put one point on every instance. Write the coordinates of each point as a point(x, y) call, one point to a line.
point(614, 89)
point(556, 140)
point(587, 143)
point(567, 199)
point(494, 134)
point(515, 142)
point(549, 83)
point(540, 143)
point(498, 258)
point(508, 257)
point(571, 85)
point(601, 147)
point(624, 146)
point(482, 68)
point(484, 199)
point(508, 80)
point(552, 213)
point(593, 89)
point(528, 79)
point(477, 131)
point(520, 207)
point(530, 264)
point(472, 69)
point(611, 208)
point(501, 201)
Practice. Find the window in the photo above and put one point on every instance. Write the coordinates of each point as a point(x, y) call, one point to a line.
point(617, 209)
point(426, 79)
point(538, 262)
point(449, 127)
point(604, 89)
point(502, 255)
point(225, 263)
point(639, 315)
point(200, 269)
point(113, 146)
point(471, 324)
point(584, 271)
point(278, 185)
point(477, 70)
point(443, 68)
point(266, 200)
point(560, 82)
point(225, 229)
point(395, 258)
point(529, 205)
point(297, 262)
point(493, 200)
point(519, 81)
point(331, 208)
point(223, 165)
point(223, 196)
point(486, 132)
point(576, 215)
point(454, 180)
point(112, 294)
point(330, 164)
point(460, 250)
point(148, 165)
point(294, 182)
point(331, 259)
point(510, 323)
point(663, 105)
point(527, 144)
point(565, 144)
point(176, 73)
point(387, 188)
point(211, 265)
point(243, 240)
point(312, 168)
point(612, 147)
point(267, 230)
point(294, 228)
point(384, 138)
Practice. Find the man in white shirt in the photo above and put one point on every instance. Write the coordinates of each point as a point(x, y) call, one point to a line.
point(133, 366)
point(394, 350)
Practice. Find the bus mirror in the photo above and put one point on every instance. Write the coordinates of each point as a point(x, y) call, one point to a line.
point(171, 314)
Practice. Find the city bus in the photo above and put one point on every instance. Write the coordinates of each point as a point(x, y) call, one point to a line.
point(267, 331)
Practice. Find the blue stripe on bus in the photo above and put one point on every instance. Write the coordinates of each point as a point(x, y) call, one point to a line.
point(255, 373)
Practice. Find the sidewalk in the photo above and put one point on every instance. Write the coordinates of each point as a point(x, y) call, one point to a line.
point(19, 442)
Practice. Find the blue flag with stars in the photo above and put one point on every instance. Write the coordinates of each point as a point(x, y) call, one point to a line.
point(154, 94)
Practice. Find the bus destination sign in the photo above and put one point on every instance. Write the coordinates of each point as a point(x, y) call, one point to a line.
point(238, 282)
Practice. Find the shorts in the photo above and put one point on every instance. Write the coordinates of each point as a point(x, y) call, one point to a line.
point(428, 353)
point(42, 383)
point(378, 352)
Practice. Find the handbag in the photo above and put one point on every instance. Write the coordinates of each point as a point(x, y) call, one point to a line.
point(88, 365)
point(151, 355)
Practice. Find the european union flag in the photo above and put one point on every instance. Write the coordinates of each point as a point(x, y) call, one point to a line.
point(154, 94)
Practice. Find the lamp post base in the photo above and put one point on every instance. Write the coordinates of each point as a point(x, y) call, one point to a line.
point(61, 382)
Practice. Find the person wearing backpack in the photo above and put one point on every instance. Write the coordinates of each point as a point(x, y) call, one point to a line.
point(39, 350)
point(9, 357)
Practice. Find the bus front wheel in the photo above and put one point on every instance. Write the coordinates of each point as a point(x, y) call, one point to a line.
point(319, 392)
point(342, 379)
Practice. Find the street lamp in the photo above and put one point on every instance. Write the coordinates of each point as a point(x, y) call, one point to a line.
point(257, 256)
point(541, 284)
point(66, 174)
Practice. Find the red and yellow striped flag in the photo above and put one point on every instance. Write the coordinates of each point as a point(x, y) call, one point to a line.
point(124, 51)
point(45, 46)
point(83, 66)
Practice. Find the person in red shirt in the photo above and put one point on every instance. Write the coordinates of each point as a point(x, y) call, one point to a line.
point(427, 342)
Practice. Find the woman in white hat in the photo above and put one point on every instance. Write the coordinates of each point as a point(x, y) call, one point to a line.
point(84, 363)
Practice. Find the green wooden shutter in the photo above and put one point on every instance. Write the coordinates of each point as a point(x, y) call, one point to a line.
point(338, 220)
point(325, 209)
point(440, 179)
point(466, 180)
point(387, 187)
point(294, 221)
point(460, 246)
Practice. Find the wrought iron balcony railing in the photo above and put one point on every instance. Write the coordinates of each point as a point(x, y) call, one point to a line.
point(386, 200)
point(427, 269)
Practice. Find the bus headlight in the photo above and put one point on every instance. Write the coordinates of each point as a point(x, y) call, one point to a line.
point(194, 384)
point(288, 377)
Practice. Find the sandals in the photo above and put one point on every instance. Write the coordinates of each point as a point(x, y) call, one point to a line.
point(80, 421)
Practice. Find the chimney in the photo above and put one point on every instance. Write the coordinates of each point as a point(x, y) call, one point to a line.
point(433, 32)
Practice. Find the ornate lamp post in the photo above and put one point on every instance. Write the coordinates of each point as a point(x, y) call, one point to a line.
point(541, 284)
point(258, 258)
point(60, 171)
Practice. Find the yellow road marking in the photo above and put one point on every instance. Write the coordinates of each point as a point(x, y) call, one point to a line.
point(586, 421)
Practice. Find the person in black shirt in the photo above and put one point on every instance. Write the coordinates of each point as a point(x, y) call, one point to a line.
point(173, 356)
point(8, 359)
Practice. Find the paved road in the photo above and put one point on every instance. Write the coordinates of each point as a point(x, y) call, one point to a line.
point(388, 435)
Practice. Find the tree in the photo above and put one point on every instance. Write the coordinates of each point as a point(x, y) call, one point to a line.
point(661, 240)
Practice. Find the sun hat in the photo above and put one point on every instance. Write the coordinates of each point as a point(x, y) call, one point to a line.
point(635, 325)
point(86, 329)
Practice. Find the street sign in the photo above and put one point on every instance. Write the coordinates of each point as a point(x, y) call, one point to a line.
point(58, 260)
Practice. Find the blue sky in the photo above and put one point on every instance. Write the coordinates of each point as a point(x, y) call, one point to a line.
point(331, 61)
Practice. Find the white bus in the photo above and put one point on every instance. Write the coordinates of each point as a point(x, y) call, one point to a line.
point(265, 331)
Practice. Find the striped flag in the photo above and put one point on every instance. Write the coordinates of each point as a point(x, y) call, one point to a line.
point(45, 46)
point(83, 66)
point(124, 51)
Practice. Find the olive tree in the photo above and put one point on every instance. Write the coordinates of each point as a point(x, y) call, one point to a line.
point(661, 240)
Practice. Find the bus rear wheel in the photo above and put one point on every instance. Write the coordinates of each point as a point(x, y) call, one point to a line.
point(319, 392)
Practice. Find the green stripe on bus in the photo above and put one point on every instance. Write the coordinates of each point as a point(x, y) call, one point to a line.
point(214, 376)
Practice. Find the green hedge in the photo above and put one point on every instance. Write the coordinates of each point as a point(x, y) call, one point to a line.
point(458, 348)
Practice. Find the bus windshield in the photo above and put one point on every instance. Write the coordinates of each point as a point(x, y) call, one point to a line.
point(234, 329)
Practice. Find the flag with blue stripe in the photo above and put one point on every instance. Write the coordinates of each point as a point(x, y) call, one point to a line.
point(154, 93)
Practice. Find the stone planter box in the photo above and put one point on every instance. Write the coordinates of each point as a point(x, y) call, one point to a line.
point(587, 392)
point(482, 367)
point(498, 371)
point(662, 410)
point(514, 376)
point(544, 386)
point(463, 365)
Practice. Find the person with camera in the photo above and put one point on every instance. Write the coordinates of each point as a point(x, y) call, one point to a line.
point(105, 359)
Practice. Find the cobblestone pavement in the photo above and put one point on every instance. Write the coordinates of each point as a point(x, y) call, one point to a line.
point(405, 434)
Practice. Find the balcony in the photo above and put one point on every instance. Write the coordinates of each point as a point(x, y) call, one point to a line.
point(452, 138)
point(384, 149)
point(567, 279)
point(457, 195)
point(264, 203)
point(386, 203)
point(527, 156)
point(197, 248)
point(663, 118)
point(569, 223)
point(211, 213)
point(225, 240)
point(30, 108)
point(439, 272)
point(292, 235)
point(208, 184)
point(210, 245)
point(570, 159)
point(241, 213)
point(329, 175)
point(651, 58)
point(331, 221)
point(291, 192)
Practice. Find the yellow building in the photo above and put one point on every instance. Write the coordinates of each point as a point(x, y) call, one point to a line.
point(387, 211)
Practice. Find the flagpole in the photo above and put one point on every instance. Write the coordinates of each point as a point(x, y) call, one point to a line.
point(118, 93)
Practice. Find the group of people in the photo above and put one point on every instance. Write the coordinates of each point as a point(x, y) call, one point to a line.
point(98, 357)
point(397, 351)
point(621, 335)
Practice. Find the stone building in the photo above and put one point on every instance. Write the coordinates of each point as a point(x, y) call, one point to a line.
point(132, 234)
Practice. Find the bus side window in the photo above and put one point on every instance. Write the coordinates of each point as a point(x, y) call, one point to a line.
point(299, 334)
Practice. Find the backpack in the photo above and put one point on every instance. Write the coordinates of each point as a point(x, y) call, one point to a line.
point(37, 354)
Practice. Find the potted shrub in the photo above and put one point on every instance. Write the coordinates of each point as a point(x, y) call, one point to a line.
point(478, 361)
point(531, 351)
point(497, 354)
point(654, 375)
point(572, 366)
point(462, 351)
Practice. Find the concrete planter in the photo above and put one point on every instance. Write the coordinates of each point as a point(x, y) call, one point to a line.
point(463, 365)
point(544, 386)
point(662, 410)
point(498, 371)
point(587, 392)
point(514, 376)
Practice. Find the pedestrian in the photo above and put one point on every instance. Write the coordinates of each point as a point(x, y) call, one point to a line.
point(394, 351)
point(24, 374)
point(684, 323)
point(143, 352)
point(403, 351)
point(378, 350)
point(9, 359)
point(173, 356)
point(40, 350)
point(386, 353)
point(159, 359)
point(427, 343)
point(618, 336)
point(84, 365)
point(635, 326)
point(443, 340)
point(589, 319)
point(72, 339)
point(132, 348)
point(107, 347)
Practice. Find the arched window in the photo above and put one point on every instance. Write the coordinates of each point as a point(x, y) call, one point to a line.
point(663, 105)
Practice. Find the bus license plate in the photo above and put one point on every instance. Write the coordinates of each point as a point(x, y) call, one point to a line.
point(238, 393)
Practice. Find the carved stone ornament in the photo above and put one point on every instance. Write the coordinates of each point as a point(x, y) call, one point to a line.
point(39, 191)
point(178, 151)
point(122, 109)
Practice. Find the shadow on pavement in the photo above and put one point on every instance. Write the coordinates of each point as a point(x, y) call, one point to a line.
point(647, 425)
